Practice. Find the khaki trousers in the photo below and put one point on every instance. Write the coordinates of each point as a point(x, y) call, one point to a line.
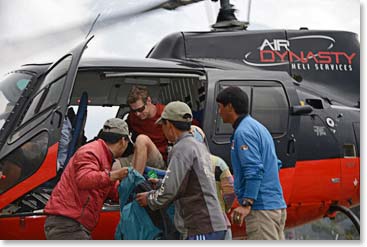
point(155, 160)
point(63, 228)
point(266, 224)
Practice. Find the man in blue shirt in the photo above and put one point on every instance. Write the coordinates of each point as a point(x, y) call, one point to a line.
point(255, 168)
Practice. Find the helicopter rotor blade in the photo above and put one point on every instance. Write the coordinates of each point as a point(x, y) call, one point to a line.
point(79, 30)
point(120, 17)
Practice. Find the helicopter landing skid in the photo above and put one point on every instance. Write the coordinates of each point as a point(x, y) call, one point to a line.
point(349, 213)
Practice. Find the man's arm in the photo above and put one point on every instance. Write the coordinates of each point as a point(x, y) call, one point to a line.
point(89, 175)
point(175, 180)
point(252, 168)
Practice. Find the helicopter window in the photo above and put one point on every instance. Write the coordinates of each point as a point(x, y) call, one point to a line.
point(268, 104)
point(189, 90)
point(32, 108)
point(57, 71)
point(23, 161)
point(50, 89)
point(270, 107)
point(11, 88)
point(53, 94)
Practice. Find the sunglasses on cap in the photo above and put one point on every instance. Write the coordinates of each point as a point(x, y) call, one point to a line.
point(140, 109)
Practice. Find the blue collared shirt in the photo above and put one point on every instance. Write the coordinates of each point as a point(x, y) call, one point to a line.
point(255, 166)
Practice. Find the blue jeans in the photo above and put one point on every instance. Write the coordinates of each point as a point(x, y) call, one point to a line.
point(219, 235)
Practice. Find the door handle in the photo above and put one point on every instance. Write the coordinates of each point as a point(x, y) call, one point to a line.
point(335, 180)
point(291, 147)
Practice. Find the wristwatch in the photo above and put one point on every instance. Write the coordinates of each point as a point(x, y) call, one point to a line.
point(246, 203)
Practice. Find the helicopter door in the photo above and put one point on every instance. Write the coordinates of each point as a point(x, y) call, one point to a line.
point(318, 170)
point(270, 98)
point(28, 158)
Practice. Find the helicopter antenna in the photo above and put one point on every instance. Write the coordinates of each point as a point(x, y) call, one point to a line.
point(94, 22)
point(248, 11)
point(226, 20)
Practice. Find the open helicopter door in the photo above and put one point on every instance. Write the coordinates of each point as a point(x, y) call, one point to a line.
point(271, 98)
point(28, 157)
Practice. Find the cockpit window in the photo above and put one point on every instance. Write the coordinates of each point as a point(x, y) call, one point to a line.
point(22, 84)
point(23, 161)
point(50, 91)
point(11, 88)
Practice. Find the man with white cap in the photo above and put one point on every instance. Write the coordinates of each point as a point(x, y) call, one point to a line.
point(189, 181)
point(76, 201)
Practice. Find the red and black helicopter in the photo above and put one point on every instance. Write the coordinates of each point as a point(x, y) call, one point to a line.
point(303, 85)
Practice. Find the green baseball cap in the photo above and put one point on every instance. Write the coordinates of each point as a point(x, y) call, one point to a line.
point(117, 126)
point(176, 111)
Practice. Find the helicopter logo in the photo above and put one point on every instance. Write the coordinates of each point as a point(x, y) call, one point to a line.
point(278, 52)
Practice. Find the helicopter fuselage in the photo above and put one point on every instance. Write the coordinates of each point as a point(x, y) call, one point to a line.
point(302, 85)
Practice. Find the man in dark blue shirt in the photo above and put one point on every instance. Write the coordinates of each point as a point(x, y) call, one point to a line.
point(255, 167)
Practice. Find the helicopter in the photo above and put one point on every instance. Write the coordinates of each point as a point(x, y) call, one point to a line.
point(303, 85)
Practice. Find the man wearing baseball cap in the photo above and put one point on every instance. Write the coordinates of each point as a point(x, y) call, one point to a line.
point(76, 201)
point(189, 181)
